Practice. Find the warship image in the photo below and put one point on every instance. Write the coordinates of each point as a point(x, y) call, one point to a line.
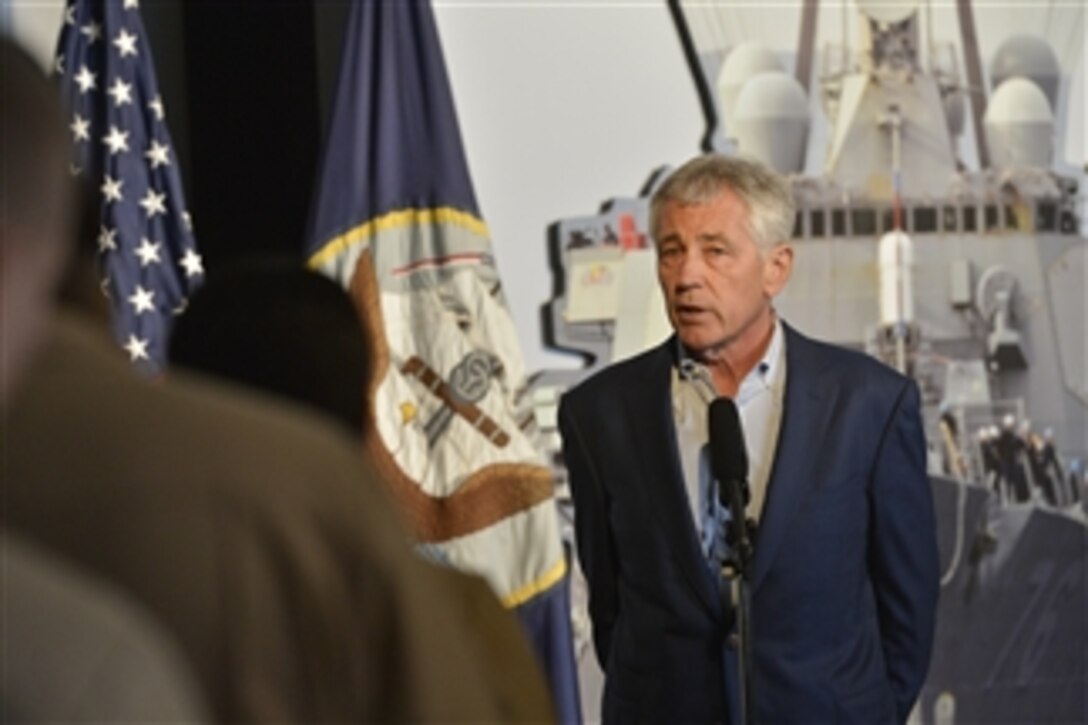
point(940, 229)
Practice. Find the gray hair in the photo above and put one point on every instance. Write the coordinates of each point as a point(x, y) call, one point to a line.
point(766, 194)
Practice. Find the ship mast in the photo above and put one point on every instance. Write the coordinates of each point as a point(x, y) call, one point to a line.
point(974, 77)
point(806, 43)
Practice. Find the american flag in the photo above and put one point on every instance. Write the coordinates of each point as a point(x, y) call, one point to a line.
point(122, 147)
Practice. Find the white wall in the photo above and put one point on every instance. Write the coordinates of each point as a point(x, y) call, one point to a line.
point(562, 106)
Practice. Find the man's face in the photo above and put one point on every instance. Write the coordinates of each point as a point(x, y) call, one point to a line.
point(718, 285)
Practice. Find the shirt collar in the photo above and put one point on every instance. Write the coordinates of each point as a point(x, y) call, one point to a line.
point(760, 377)
point(765, 372)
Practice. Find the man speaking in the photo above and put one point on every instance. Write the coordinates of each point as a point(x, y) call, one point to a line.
point(844, 578)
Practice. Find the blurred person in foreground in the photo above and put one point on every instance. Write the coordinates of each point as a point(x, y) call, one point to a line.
point(254, 534)
point(37, 210)
point(844, 578)
point(276, 327)
point(74, 648)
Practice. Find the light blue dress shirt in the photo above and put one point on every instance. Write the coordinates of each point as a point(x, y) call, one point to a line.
point(759, 403)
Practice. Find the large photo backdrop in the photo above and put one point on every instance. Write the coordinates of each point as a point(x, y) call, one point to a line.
point(571, 113)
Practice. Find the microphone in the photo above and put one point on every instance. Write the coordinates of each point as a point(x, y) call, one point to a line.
point(728, 454)
point(729, 464)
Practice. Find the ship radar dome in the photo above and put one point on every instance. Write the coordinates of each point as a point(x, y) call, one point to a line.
point(1019, 125)
point(743, 62)
point(771, 121)
point(1031, 57)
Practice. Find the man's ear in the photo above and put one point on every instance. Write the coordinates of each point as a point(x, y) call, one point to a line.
point(777, 268)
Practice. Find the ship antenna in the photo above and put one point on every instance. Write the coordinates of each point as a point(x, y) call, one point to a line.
point(897, 170)
point(893, 121)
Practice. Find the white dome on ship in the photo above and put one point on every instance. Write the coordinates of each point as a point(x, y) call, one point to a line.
point(1019, 125)
point(1031, 57)
point(771, 121)
point(743, 62)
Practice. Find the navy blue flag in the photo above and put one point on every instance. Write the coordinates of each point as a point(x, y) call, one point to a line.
point(395, 221)
point(122, 148)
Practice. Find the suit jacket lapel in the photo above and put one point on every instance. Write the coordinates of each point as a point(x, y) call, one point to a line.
point(648, 407)
point(805, 417)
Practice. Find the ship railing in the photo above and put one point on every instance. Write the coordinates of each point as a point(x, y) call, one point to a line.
point(868, 219)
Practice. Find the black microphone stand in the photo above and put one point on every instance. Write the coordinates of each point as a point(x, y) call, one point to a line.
point(736, 569)
point(729, 464)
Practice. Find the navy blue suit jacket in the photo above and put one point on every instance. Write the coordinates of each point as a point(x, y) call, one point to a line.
point(845, 576)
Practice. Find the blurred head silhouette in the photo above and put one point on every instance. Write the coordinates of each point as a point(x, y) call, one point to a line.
point(275, 326)
point(36, 202)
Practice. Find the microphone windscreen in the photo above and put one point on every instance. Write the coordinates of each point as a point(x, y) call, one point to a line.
point(728, 455)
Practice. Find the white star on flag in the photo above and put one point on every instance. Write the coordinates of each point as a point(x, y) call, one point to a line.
point(153, 203)
point(157, 154)
point(121, 92)
point(93, 31)
point(193, 263)
point(130, 4)
point(155, 104)
point(148, 252)
point(125, 42)
point(70, 15)
point(136, 348)
point(142, 300)
point(117, 140)
point(85, 79)
point(81, 128)
point(111, 188)
point(58, 66)
point(107, 239)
